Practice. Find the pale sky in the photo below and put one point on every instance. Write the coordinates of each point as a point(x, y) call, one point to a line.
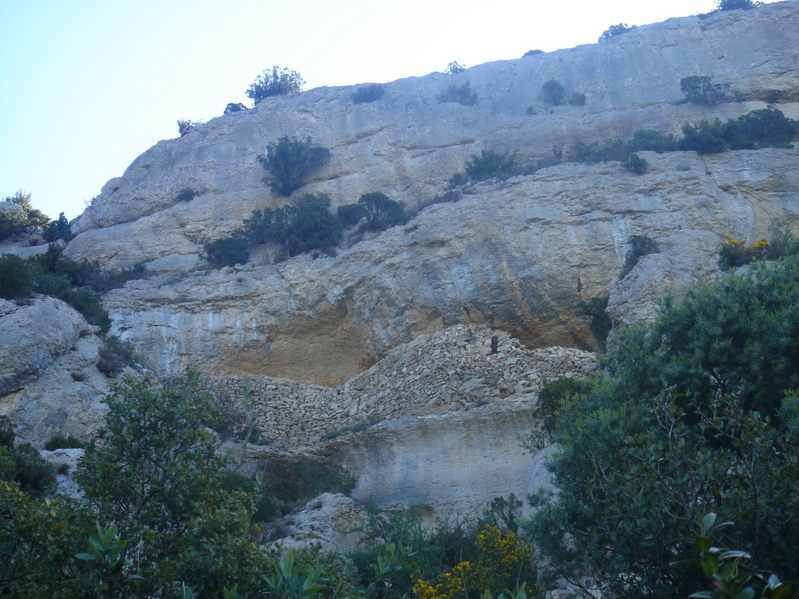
point(88, 85)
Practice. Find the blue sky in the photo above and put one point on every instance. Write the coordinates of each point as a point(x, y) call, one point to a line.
point(88, 85)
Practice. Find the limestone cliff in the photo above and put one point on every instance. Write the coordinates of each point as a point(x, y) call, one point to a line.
point(519, 255)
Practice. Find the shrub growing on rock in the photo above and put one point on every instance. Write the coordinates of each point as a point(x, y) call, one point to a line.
point(277, 82)
point(462, 94)
point(15, 277)
point(490, 165)
point(552, 93)
point(289, 162)
point(368, 93)
point(381, 211)
point(700, 90)
point(640, 246)
point(228, 251)
point(634, 163)
point(615, 30)
point(58, 229)
point(235, 107)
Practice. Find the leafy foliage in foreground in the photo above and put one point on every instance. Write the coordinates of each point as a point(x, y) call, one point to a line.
point(697, 412)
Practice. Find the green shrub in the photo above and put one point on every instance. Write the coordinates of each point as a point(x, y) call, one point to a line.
point(308, 225)
point(734, 4)
point(652, 141)
point(277, 82)
point(615, 30)
point(63, 442)
point(696, 411)
point(700, 90)
point(552, 93)
point(351, 214)
point(368, 93)
point(289, 162)
point(58, 229)
point(114, 356)
point(12, 222)
point(705, 137)
point(15, 277)
point(188, 125)
point(601, 323)
point(381, 211)
point(235, 107)
point(187, 194)
point(490, 165)
point(228, 251)
point(635, 164)
point(462, 94)
point(640, 246)
point(597, 152)
point(22, 464)
point(768, 127)
point(552, 395)
point(576, 99)
point(454, 68)
point(532, 53)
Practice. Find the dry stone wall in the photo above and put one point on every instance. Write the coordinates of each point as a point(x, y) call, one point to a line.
point(438, 372)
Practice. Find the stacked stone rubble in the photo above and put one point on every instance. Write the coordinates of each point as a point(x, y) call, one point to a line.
point(452, 369)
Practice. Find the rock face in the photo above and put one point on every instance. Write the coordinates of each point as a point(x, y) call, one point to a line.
point(519, 255)
point(49, 383)
point(408, 143)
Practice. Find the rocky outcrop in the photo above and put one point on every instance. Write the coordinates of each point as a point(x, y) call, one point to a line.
point(438, 372)
point(50, 382)
point(409, 143)
point(519, 255)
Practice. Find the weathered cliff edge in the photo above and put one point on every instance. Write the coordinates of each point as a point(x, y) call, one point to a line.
point(517, 255)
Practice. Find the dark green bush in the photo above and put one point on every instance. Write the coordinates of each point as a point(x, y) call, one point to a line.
point(552, 395)
point(577, 99)
point(308, 225)
point(700, 90)
point(187, 194)
point(58, 229)
point(640, 246)
point(552, 93)
point(490, 165)
point(734, 4)
point(114, 356)
point(235, 107)
point(705, 137)
point(381, 211)
point(351, 214)
point(188, 125)
point(462, 94)
point(22, 463)
point(15, 277)
point(532, 53)
point(454, 68)
point(14, 221)
point(277, 82)
point(289, 162)
point(652, 141)
point(601, 323)
point(615, 30)
point(696, 411)
point(597, 152)
point(768, 127)
point(368, 93)
point(634, 163)
point(63, 442)
point(228, 251)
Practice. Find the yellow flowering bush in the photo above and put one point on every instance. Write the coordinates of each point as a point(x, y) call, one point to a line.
point(503, 562)
point(735, 253)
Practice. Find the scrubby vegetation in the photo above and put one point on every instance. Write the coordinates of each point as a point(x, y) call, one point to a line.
point(368, 93)
point(696, 413)
point(289, 162)
point(20, 216)
point(462, 94)
point(490, 165)
point(615, 30)
point(552, 93)
point(700, 90)
point(640, 246)
point(275, 82)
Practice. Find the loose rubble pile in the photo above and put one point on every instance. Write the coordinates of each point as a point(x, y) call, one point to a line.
point(451, 369)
